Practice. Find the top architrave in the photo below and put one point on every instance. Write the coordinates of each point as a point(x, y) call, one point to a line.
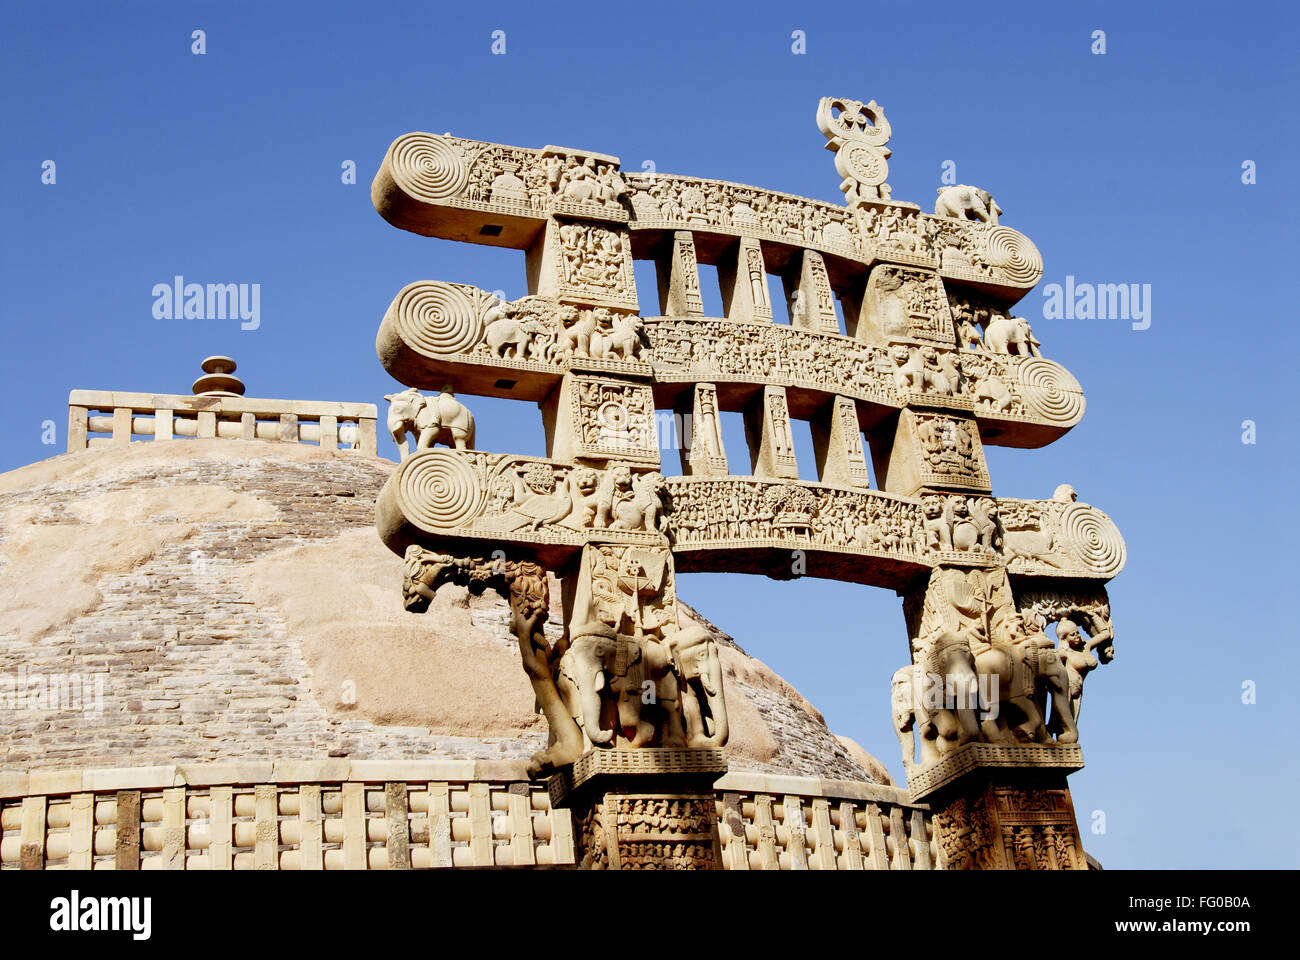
point(479, 192)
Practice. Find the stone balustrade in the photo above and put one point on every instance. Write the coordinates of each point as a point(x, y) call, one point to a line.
point(103, 418)
point(384, 815)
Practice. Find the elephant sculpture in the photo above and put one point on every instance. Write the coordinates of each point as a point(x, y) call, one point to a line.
point(992, 391)
point(616, 684)
point(1004, 332)
point(1027, 673)
point(440, 419)
point(699, 681)
point(504, 331)
point(962, 202)
point(912, 720)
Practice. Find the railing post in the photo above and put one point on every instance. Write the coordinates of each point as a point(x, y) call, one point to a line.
point(77, 422)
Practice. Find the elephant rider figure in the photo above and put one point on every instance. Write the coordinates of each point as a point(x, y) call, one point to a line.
point(1026, 667)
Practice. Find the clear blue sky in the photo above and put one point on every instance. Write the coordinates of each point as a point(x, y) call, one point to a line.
point(1123, 168)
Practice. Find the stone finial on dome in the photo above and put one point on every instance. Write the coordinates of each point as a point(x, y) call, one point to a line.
point(219, 379)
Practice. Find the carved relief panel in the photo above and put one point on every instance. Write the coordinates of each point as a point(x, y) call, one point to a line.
point(934, 450)
point(903, 302)
point(602, 418)
point(583, 262)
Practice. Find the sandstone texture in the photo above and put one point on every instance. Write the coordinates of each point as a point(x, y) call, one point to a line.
point(226, 600)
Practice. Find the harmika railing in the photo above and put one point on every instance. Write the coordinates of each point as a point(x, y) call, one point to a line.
point(103, 418)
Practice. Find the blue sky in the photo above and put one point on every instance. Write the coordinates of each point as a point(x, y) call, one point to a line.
point(1123, 168)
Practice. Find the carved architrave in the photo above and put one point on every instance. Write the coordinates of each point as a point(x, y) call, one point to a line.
point(735, 513)
point(453, 187)
point(715, 350)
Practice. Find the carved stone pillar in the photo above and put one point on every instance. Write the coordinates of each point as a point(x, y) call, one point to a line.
point(809, 295)
point(837, 442)
point(648, 809)
point(679, 277)
point(742, 274)
point(995, 817)
point(704, 455)
point(770, 435)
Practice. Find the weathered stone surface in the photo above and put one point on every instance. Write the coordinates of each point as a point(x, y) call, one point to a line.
point(223, 597)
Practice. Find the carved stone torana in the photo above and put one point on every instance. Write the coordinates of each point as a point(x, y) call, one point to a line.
point(922, 362)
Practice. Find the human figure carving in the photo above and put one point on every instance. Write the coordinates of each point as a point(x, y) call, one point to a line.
point(1072, 647)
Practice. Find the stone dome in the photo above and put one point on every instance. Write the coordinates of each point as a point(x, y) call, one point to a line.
point(230, 600)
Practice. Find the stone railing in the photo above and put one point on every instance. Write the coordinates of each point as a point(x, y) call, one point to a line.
point(382, 815)
point(118, 417)
point(801, 823)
